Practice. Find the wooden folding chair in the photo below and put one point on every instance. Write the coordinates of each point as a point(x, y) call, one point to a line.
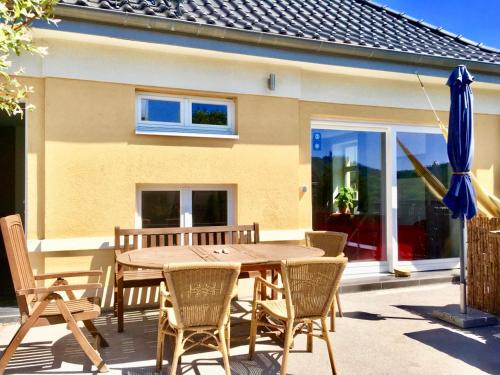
point(40, 306)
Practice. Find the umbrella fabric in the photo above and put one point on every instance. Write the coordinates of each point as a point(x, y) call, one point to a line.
point(461, 198)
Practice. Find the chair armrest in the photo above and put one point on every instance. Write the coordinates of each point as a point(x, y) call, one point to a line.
point(58, 288)
point(62, 275)
point(164, 296)
point(259, 280)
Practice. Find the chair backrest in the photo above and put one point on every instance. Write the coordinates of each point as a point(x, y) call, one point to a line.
point(310, 285)
point(201, 293)
point(17, 254)
point(333, 243)
point(128, 239)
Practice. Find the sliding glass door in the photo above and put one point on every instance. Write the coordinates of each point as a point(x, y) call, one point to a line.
point(350, 162)
point(392, 178)
point(425, 227)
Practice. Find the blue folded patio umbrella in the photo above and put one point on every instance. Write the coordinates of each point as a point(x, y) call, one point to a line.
point(461, 198)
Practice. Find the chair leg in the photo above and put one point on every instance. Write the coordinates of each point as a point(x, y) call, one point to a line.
point(119, 306)
point(19, 336)
point(177, 351)
point(286, 347)
point(253, 334)
point(332, 317)
point(309, 337)
point(228, 337)
point(160, 344)
point(329, 346)
point(91, 353)
point(88, 323)
point(339, 307)
point(223, 350)
point(95, 333)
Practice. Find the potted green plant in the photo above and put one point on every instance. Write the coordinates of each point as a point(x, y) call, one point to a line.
point(345, 199)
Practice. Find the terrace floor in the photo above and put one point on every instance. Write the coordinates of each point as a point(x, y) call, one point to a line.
point(383, 332)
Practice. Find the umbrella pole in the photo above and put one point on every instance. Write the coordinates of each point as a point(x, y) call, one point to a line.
point(463, 282)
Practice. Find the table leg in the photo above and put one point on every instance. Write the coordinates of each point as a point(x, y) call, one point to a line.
point(274, 280)
point(263, 289)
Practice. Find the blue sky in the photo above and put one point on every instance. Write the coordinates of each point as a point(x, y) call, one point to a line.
point(478, 20)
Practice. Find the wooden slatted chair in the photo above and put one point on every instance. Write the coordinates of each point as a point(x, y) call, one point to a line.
point(129, 239)
point(309, 287)
point(40, 306)
point(196, 308)
point(333, 244)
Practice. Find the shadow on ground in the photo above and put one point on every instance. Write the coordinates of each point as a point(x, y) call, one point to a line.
point(137, 344)
point(477, 346)
point(363, 315)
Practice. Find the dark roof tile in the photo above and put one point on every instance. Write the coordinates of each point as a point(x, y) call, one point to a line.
point(358, 22)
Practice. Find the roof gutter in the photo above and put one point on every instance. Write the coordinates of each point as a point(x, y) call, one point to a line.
point(164, 24)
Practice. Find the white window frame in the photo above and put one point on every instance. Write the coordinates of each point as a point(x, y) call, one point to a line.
point(186, 207)
point(185, 126)
point(391, 224)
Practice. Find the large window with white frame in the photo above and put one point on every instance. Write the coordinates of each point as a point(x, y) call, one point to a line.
point(167, 114)
point(165, 206)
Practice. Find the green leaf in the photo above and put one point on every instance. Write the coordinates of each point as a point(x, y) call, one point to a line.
point(16, 18)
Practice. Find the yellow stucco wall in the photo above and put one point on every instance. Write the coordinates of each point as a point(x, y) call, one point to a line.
point(94, 160)
point(85, 162)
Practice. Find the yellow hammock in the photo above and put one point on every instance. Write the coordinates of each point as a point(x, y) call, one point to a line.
point(487, 203)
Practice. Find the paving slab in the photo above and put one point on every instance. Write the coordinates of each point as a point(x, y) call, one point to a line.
point(382, 332)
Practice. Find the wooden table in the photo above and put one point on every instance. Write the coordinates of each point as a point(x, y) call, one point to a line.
point(253, 257)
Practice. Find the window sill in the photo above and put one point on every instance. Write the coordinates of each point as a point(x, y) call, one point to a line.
point(193, 135)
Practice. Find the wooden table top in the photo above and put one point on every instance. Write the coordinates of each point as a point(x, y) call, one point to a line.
point(249, 255)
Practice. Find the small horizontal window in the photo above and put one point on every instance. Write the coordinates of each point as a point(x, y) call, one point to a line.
point(157, 114)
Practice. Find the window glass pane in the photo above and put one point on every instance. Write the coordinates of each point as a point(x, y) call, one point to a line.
point(352, 161)
point(209, 208)
point(160, 110)
point(210, 114)
point(161, 209)
point(425, 227)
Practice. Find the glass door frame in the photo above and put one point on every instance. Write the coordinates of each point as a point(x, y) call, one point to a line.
point(422, 264)
point(391, 199)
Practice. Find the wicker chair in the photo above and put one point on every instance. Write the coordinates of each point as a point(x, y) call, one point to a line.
point(333, 243)
point(197, 302)
point(309, 289)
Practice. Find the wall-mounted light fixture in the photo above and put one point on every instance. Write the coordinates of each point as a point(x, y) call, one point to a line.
point(271, 82)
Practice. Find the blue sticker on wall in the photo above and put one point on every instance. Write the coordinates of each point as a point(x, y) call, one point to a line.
point(316, 141)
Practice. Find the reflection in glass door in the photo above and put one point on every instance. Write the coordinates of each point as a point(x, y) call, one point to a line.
point(425, 227)
point(353, 160)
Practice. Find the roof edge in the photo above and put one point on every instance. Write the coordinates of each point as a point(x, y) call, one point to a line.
point(437, 29)
point(160, 24)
